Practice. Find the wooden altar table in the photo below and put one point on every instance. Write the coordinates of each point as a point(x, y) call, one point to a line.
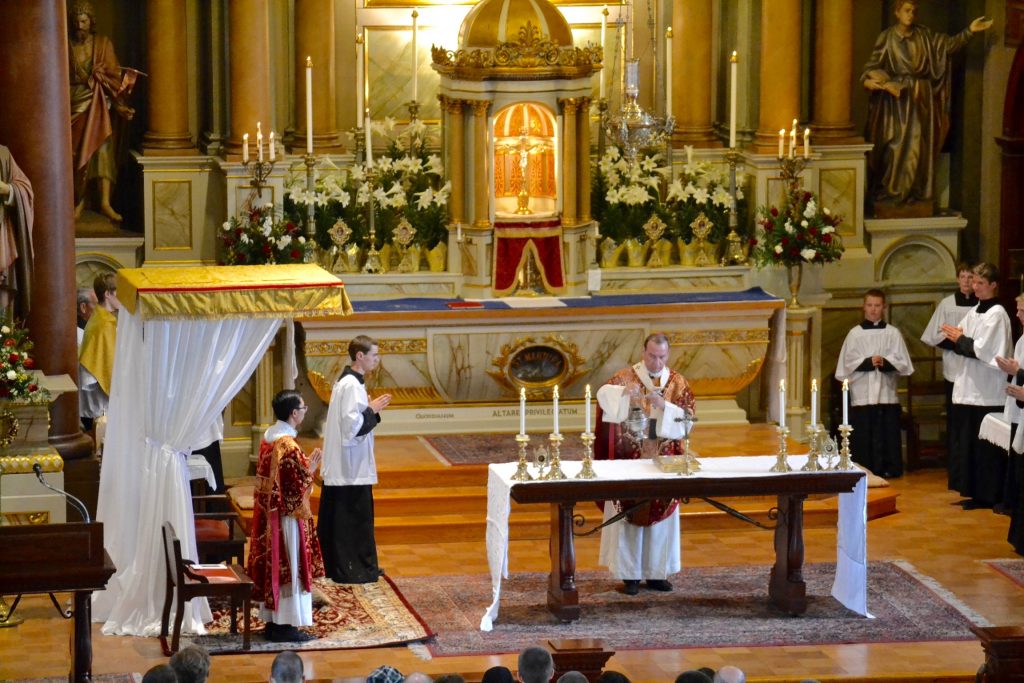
point(719, 477)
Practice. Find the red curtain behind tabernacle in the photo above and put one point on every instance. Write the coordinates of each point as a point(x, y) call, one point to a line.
point(515, 240)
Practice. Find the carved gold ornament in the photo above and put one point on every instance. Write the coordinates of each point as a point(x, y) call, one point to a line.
point(340, 233)
point(537, 365)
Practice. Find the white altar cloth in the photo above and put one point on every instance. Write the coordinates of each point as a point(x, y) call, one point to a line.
point(850, 586)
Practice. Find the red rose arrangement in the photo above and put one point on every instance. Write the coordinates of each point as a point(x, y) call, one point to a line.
point(260, 236)
point(17, 381)
point(800, 232)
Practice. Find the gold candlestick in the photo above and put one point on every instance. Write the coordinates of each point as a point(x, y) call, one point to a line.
point(522, 472)
point(587, 471)
point(844, 450)
point(780, 460)
point(812, 464)
point(555, 472)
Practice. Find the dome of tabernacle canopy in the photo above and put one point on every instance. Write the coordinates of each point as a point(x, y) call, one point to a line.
point(492, 22)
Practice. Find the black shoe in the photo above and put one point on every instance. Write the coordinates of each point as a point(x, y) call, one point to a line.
point(659, 585)
point(630, 587)
point(283, 633)
point(891, 475)
point(974, 504)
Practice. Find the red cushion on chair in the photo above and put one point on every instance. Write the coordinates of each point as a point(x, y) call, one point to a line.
point(212, 530)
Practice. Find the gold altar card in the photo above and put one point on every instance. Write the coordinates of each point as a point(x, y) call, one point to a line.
point(278, 291)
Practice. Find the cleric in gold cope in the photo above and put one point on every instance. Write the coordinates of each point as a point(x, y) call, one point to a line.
point(645, 544)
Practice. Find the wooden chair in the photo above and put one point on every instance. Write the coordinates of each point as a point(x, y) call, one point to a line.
point(219, 533)
point(185, 581)
point(926, 415)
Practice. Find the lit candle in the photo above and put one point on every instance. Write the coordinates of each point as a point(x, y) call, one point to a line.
point(586, 396)
point(782, 403)
point(272, 153)
point(782, 141)
point(415, 59)
point(689, 154)
point(556, 409)
point(367, 124)
point(359, 80)
point(814, 403)
point(604, 31)
point(259, 142)
point(733, 68)
point(807, 143)
point(245, 148)
point(846, 401)
point(792, 142)
point(458, 232)
point(522, 410)
point(309, 105)
point(668, 71)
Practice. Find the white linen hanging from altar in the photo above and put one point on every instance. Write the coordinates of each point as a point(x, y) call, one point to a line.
point(172, 378)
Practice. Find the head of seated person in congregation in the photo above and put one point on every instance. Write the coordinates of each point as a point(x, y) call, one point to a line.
point(418, 677)
point(535, 665)
point(693, 676)
point(191, 664)
point(287, 668)
point(730, 674)
point(161, 673)
point(450, 678)
point(385, 674)
point(613, 677)
point(572, 677)
point(498, 674)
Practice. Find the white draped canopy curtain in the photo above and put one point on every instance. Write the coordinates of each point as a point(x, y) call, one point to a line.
point(172, 378)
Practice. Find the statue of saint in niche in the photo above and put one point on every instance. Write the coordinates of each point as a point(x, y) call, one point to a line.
point(99, 85)
point(909, 78)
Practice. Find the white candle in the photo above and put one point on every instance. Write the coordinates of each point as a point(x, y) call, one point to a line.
point(259, 142)
point(586, 395)
point(814, 403)
point(733, 68)
point(846, 401)
point(556, 409)
point(782, 403)
point(359, 80)
point(604, 31)
point(782, 141)
point(367, 124)
point(272, 153)
point(522, 410)
point(309, 105)
point(792, 142)
point(245, 148)
point(689, 154)
point(807, 143)
point(415, 59)
point(668, 71)
point(458, 232)
point(628, 37)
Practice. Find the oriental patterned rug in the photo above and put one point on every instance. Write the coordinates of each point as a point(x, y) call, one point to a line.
point(710, 607)
point(1011, 569)
point(483, 449)
point(359, 615)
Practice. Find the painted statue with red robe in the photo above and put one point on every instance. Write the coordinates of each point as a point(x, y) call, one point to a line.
point(645, 544)
point(284, 550)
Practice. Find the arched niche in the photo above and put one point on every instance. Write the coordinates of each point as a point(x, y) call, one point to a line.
point(524, 137)
point(916, 259)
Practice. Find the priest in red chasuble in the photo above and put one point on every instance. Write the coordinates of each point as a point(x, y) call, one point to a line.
point(284, 551)
point(645, 544)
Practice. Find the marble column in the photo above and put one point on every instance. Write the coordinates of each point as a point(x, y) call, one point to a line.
point(314, 38)
point(249, 57)
point(779, 101)
point(583, 160)
point(35, 124)
point(569, 106)
point(833, 72)
point(167, 92)
point(456, 159)
point(481, 186)
point(691, 73)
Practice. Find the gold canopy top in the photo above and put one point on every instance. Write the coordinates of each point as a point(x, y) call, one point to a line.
point(494, 22)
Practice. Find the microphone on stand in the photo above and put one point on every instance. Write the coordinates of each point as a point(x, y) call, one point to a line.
point(75, 503)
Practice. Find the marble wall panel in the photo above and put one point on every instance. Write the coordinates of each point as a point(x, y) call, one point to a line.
point(389, 51)
point(838, 192)
point(172, 215)
point(914, 260)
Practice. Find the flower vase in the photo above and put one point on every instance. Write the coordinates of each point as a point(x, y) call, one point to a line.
point(661, 254)
point(687, 252)
point(437, 258)
point(610, 252)
point(709, 251)
point(388, 257)
point(411, 259)
point(350, 258)
point(795, 273)
point(636, 253)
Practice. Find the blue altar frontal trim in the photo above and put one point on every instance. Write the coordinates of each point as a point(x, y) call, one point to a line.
point(428, 304)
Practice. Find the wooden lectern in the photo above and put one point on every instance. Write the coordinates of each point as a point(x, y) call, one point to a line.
point(58, 558)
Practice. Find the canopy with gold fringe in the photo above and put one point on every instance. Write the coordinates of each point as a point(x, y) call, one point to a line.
point(298, 290)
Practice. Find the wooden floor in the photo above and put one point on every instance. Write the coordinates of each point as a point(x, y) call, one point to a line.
point(941, 540)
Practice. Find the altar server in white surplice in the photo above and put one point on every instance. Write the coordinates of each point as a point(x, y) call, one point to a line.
point(644, 544)
point(980, 388)
point(345, 522)
point(873, 357)
point(1013, 411)
point(951, 311)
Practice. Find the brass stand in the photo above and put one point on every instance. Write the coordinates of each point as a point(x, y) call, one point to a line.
point(7, 618)
point(587, 471)
point(555, 472)
point(522, 473)
point(310, 161)
point(734, 255)
point(813, 465)
point(414, 109)
point(781, 465)
point(844, 450)
point(373, 265)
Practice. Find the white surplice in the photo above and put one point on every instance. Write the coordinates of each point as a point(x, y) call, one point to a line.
point(874, 387)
